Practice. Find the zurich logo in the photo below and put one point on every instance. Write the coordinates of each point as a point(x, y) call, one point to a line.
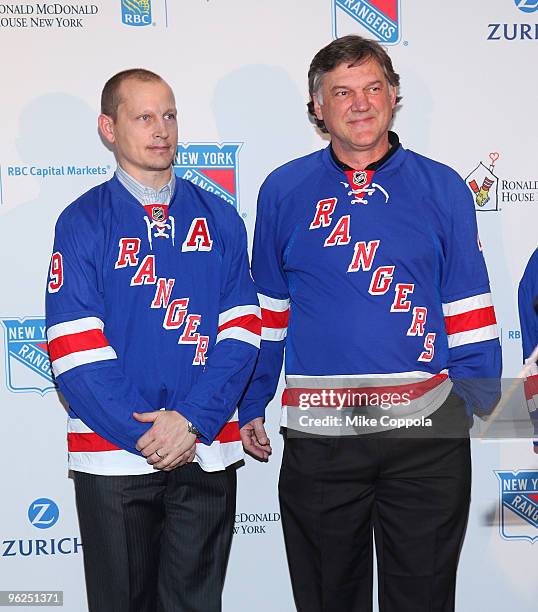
point(43, 513)
point(527, 6)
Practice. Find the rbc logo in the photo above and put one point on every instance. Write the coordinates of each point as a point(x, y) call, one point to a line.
point(136, 12)
point(527, 6)
point(43, 513)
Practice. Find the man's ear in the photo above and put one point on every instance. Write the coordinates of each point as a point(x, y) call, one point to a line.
point(393, 92)
point(106, 128)
point(317, 107)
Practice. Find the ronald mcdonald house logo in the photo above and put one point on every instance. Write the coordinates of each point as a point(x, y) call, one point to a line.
point(371, 18)
point(211, 166)
point(518, 505)
point(492, 193)
point(27, 360)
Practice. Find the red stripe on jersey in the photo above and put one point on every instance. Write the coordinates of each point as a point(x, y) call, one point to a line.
point(290, 397)
point(73, 343)
point(251, 323)
point(274, 319)
point(94, 443)
point(88, 443)
point(229, 433)
point(473, 319)
point(531, 387)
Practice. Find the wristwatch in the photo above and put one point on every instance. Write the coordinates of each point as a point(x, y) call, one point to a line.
point(193, 429)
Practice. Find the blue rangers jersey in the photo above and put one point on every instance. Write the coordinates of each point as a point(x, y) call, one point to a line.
point(528, 319)
point(371, 279)
point(150, 307)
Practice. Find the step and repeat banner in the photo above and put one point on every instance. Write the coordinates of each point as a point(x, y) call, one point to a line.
point(238, 69)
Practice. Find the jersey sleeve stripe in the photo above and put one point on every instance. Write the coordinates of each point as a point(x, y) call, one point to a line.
point(74, 327)
point(474, 302)
point(474, 335)
point(73, 343)
point(239, 333)
point(73, 360)
point(270, 303)
point(252, 323)
point(237, 312)
point(274, 319)
point(274, 335)
point(472, 319)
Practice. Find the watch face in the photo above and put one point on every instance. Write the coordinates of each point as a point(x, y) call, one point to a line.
point(192, 429)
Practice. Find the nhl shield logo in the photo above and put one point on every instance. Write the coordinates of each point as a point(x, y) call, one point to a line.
point(360, 178)
point(136, 12)
point(518, 505)
point(157, 213)
point(211, 166)
point(378, 18)
point(26, 357)
point(484, 184)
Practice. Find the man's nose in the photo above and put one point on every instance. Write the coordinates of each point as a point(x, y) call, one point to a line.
point(161, 128)
point(360, 102)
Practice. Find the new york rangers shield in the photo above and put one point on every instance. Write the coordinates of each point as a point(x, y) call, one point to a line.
point(26, 357)
point(371, 18)
point(212, 167)
point(518, 505)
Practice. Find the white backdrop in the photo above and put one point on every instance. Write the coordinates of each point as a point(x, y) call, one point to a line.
point(238, 68)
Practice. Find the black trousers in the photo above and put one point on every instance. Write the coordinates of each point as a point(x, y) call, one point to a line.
point(157, 542)
point(413, 493)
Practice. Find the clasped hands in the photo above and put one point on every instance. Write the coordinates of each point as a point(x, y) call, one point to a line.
point(168, 443)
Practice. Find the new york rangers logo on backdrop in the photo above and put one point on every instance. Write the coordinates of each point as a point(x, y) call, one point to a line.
point(518, 505)
point(379, 18)
point(26, 357)
point(211, 166)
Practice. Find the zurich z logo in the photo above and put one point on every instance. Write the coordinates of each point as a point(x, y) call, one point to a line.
point(527, 6)
point(26, 356)
point(380, 18)
point(136, 12)
point(43, 513)
point(518, 505)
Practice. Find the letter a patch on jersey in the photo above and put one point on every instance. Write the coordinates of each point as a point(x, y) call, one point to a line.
point(198, 238)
